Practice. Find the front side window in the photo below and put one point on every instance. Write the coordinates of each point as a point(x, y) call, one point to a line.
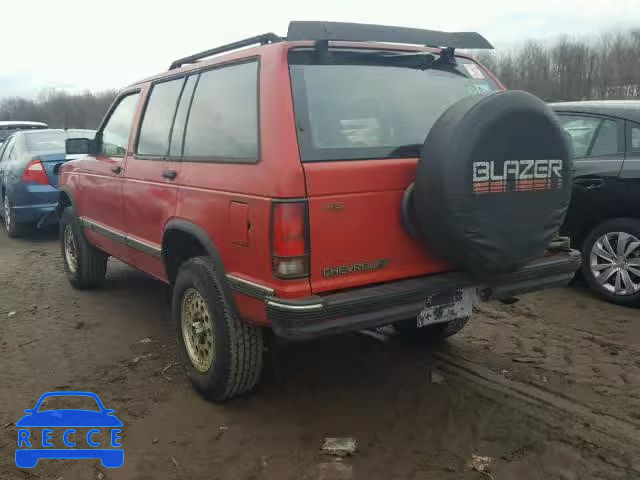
point(116, 132)
point(357, 104)
point(223, 119)
point(635, 139)
point(8, 148)
point(3, 146)
point(581, 130)
point(158, 117)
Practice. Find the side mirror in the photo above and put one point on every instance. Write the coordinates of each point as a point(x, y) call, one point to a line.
point(79, 146)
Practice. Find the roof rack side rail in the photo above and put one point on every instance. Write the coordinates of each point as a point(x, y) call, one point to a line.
point(258, 39)
point(360, 32)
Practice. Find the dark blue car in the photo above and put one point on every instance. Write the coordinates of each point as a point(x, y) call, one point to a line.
point(29, 162)
point(67, 420)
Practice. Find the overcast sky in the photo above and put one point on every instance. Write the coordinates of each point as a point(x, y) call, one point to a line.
point(98, 44)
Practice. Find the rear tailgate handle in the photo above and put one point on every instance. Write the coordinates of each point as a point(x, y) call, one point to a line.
point(170, 174)
point(590, 183)
point(117, 169)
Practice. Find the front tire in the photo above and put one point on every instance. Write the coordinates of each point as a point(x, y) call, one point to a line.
point(611, 261)
point(431, 333)
point(222, 355)
point(84, 264)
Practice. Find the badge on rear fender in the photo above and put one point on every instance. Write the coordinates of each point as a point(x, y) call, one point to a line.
point(329, 272)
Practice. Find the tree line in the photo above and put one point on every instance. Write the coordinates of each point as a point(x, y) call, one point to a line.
point(605, 67)
point(59, 109)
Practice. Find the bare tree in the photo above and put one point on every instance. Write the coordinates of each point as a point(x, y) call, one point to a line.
point(59, 109)
point(607, 67)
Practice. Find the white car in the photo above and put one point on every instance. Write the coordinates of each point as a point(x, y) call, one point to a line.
point(11, 126)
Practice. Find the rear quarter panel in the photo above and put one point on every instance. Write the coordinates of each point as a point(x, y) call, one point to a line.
point(207, 190)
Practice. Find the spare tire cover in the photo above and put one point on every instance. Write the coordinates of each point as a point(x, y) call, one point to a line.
point(494, 182)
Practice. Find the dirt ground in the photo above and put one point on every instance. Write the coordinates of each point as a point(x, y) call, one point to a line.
point(548, 388)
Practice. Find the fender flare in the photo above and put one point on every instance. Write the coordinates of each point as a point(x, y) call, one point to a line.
point(68, 193)
point(212, 251)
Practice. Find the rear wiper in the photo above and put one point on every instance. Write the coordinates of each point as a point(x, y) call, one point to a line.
point(420, 61)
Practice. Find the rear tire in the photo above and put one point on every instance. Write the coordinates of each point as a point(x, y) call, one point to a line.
point(594, 266)
point(222, 355)
point(84, 264)
point(13, 229)
point(431, 333)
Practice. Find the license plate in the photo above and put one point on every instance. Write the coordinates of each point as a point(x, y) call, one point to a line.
point(447, 305)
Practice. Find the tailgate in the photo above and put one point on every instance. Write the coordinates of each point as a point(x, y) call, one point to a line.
point(357, 236)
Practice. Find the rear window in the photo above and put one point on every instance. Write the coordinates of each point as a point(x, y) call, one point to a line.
point(54, 141)
point(5, 131)
point(355, 104)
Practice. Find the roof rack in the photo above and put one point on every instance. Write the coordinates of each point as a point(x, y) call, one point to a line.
point(352, 32)
point(258, 39)
point(360, 32)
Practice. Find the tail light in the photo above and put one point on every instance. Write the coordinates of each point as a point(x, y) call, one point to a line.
point(289, 239)
point(35, 172)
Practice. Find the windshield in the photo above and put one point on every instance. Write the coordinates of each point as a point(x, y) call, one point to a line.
point(5, 131)
point(372, 104)
point(54, 140)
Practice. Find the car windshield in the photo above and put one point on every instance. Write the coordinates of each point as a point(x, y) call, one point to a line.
point(375, 104)
point(54, 141)
point(66, 402)
point(5, 131)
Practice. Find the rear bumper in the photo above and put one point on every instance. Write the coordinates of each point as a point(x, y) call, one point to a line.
point(31, 203)
point(367, 307)
point(42, 214)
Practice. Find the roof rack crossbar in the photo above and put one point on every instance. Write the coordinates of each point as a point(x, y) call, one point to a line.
point(258, 39)
point(359, 32)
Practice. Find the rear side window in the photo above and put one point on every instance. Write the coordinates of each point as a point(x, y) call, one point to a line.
point(175, 150)
point(223, 119)
point(606, 142)
point(635, 139)
point(365, 104)
point(158, 117)
point(581, 130)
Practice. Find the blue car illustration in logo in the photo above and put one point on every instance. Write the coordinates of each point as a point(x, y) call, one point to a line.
point(27, 456)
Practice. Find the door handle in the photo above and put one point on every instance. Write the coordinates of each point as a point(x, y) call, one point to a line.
point(170, 174)
point(590, 183)
point(117, 169)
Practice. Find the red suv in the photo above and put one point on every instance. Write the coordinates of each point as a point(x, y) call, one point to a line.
point(290, 186)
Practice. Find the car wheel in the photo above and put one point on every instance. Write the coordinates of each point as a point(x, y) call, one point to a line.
point(12, 228)
point(222, 355)
point(84, 264)
point(611, 261)
point(431, 333)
